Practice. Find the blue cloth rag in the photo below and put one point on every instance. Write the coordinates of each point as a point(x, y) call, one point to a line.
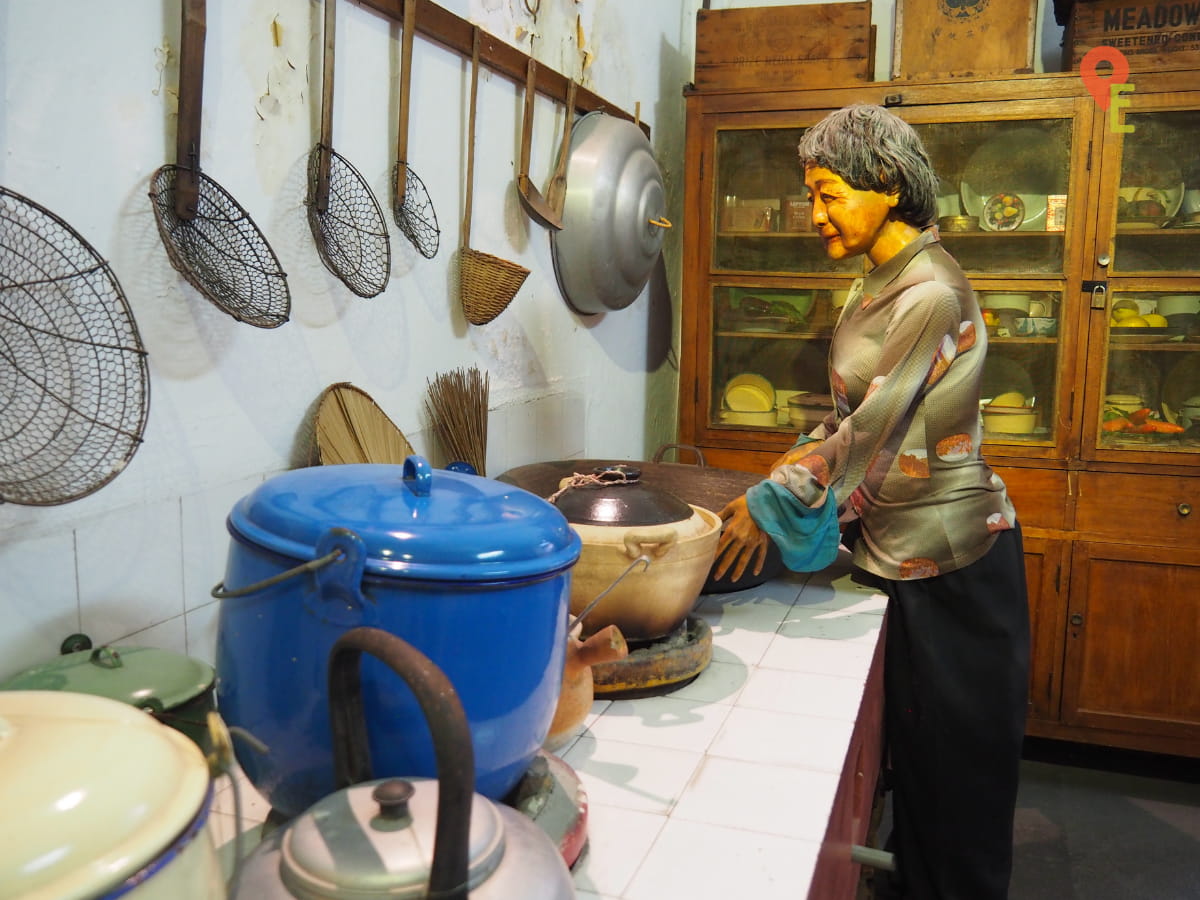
point(807, 538)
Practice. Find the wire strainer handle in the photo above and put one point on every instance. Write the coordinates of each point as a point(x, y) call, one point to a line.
point(406, 52)
point(466, 241)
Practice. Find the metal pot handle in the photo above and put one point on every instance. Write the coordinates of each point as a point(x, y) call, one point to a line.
point(448, 726)
point(661, 540)
point(643, 561)
point(336, 544)
point(219, 591)
point(662, 451)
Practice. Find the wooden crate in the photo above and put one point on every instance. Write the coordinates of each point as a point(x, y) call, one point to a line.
point(784, 47)
point(963, 38)
point(1159, 35)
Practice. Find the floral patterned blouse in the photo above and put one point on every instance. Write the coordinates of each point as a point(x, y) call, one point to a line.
point(901, 449)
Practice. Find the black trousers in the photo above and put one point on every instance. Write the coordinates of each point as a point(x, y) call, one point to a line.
point(956, 683)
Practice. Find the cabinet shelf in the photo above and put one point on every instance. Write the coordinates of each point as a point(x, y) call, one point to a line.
point(1012, 341)
point(777, 335)
point(1186, 346)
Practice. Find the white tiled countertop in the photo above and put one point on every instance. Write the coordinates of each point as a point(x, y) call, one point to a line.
point(722, 788)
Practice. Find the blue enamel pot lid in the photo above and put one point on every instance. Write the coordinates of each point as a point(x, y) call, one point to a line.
point(415, 522)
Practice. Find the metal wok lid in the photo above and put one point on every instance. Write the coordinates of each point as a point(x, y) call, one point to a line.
point(606, 250)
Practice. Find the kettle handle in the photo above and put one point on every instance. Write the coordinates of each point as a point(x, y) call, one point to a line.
point(448, 726)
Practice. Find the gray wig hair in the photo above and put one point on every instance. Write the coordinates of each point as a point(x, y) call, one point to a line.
point(874, 150)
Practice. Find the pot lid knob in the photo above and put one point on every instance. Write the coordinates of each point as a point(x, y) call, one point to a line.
point(393, 796)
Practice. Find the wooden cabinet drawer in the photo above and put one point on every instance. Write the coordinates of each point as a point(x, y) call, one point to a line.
point(1039, 495)
point(1139, 508)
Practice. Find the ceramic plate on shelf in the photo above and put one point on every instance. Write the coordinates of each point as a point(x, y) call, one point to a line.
point(1168, 199)
point(1019, 162)
point(1007, 211)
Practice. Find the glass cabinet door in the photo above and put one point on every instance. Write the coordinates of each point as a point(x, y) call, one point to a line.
point(1157, 212)
point(1149, 395)
point(775, 296)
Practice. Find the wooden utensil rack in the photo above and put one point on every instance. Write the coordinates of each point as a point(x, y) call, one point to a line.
point(455, 33)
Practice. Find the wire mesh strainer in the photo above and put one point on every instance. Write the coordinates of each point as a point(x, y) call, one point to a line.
point(343, 214)
point(210, 240)
point(411, 206)
point(74, 387)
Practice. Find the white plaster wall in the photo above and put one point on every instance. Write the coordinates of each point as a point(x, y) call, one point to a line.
point(86, 118)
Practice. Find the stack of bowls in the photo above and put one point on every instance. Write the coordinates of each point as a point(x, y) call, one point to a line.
point(1180, 310)
point(749, 399)
point(1008, 413)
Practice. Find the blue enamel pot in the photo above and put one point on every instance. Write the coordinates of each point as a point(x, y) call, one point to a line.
point(474, 573)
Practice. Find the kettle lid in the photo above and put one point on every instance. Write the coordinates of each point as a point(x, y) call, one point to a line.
point(376, 839)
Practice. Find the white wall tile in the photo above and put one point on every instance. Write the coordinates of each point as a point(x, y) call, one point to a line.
point(618, 841)
point(807, 693)
point(552, 440)
point(720, 682)
point(661, 722)
point(693, 861)
point(202, 631)
point(205, 538)
point(129, 570)
point(631, 776)
point(39, 605)
point(831, 624)
point(168, 635)
point(811, 654)
point(779, 800)
point(780, 739)
point(517, 438)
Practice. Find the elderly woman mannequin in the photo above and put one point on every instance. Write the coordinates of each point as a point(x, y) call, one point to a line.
point(898, 463)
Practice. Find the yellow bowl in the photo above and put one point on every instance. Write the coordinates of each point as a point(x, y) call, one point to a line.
point(749, 393)
point(1009, 419)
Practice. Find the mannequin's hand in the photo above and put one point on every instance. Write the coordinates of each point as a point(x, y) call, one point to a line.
point(742, 542)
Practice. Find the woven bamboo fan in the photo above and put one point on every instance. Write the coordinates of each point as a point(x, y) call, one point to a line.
point(351, 428)
point(487, 283)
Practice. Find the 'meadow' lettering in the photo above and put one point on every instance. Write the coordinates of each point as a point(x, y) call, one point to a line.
point(1162, 15)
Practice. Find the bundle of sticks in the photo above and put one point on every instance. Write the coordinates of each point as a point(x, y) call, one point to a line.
point(458, 408)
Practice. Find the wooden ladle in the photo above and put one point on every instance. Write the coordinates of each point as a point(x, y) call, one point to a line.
point(556, 191)
point(531, 198)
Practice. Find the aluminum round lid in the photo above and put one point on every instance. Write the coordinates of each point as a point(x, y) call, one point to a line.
point(607, 248)
point(414, 521)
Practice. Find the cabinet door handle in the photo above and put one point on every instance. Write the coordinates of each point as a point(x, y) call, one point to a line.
point(1184, 509)
point(1076, 619)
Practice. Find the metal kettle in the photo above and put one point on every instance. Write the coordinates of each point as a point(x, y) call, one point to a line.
point(412, 838)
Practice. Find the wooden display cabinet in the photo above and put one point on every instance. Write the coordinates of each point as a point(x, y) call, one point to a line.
point(1108, 226)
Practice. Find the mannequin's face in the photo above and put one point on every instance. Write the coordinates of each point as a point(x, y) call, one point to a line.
point(849, 221)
